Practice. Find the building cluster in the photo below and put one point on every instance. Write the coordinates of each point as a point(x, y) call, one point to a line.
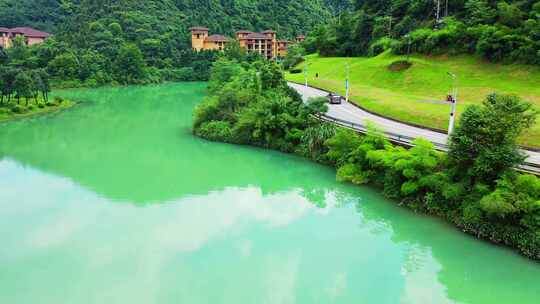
point(264, 43)
point(31, 36)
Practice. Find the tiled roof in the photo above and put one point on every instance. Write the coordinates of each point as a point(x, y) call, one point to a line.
point(300, 36)
point(244, 32)
point(217, 38)
point(200, 28)
point(257, 36)
point(29, 32)
point(4, 30)
point(269, 32)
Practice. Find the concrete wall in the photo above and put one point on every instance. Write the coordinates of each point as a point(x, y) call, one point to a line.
point(33, 40)
point(197, 39)
point(210, 45)
point(5, 41)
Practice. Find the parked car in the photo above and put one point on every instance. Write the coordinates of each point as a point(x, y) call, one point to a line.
point(335, 99)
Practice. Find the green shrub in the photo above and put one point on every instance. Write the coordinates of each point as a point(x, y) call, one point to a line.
point(399, 65)
point(19, 109)
point(215, 131)
point(295, 71)
point(382, 45)
point(50, 104)
point(208, 110)
point(58, 99)
point(182, 74)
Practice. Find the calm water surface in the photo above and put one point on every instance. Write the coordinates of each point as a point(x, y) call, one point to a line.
point(114, 201)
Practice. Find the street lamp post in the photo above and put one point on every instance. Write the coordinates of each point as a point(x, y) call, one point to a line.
point(305, 74)
point(347, 84)
point(454, 100)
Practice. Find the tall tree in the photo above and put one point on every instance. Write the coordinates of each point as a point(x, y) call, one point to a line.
point(483, 146)
point(129, 65)
point(24, 86)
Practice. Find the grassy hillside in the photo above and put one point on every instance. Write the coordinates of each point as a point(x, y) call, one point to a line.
point(397, 93)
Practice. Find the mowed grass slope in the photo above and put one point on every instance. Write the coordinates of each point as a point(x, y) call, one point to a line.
point(398, 94)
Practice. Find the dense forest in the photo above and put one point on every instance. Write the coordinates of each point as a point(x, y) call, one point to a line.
point(288, 17)
point(99, 42)
point(500, 31)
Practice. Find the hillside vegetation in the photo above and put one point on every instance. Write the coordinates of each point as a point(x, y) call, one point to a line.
point(289, 17)
point(98, 42)
point(398, 94)
point(498, 30)
point(474, 186)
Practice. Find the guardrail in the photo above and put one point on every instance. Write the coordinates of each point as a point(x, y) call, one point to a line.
point(408, 141)
point(393, 137)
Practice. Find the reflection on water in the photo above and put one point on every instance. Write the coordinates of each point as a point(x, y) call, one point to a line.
point(115, 202)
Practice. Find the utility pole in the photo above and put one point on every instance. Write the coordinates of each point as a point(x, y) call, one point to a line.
point(305, 74)
point(408, 47)
point(453, 99)
point(438, 14)
point(347, 85)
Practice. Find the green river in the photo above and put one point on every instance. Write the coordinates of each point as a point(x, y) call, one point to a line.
point(114, 201)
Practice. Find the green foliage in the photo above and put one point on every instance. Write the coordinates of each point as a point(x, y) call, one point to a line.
point(18, 109)
point(90, 37)
point(294, 56)
point(483, 147)
point(256, 106)
point(129, 66)
point(65, 66)
point(500, 30)
point(216, 131)
point(314, 139)
point(516, 197)
point(473, 186)
point(23, 85)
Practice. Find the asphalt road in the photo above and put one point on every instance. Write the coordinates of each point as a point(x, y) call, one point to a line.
point(350, 113)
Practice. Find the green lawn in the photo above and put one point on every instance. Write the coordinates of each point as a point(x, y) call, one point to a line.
point(397, 94)
point(34, 107)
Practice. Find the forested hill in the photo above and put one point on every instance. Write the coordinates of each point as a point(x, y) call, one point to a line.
point(98, 42)
point(288, 17)
point(499, 30)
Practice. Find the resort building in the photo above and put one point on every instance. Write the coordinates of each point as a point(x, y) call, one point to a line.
point(264, 43)
point(32, 36)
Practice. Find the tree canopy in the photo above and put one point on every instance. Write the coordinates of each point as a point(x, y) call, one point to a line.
point(500, 30)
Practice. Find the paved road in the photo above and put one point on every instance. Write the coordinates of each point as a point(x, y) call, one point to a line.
point(352, 114)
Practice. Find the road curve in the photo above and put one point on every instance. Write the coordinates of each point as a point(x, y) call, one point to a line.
point(352, 114)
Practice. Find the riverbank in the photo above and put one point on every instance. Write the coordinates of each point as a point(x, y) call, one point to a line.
point(479, 194)
point(13, 110)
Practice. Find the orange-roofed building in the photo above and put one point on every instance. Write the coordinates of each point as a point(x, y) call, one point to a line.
point(31, 36)
point(264, 43)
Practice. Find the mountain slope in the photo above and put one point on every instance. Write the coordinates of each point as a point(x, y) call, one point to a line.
point(288, 17)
